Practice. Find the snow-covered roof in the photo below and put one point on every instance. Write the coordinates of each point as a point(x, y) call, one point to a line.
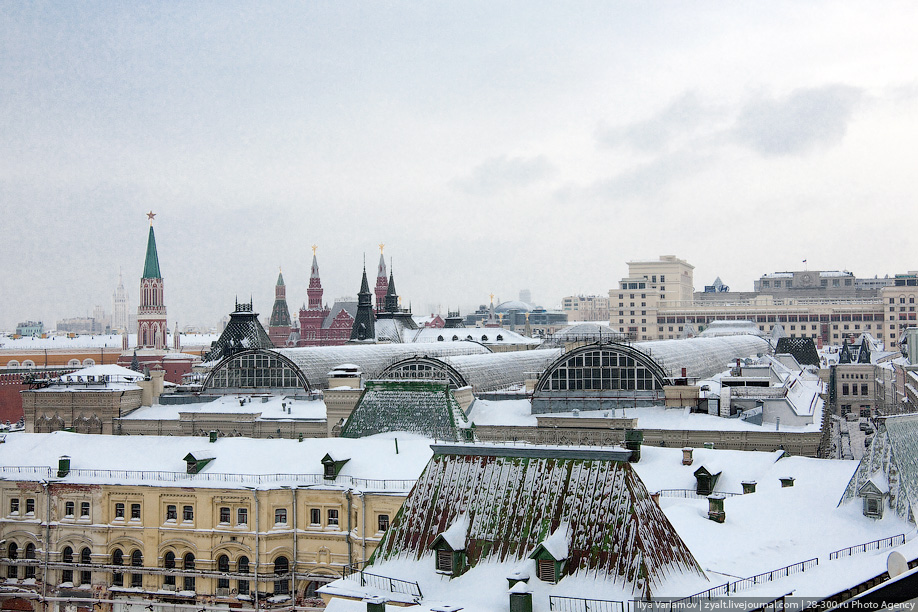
point(243, 460)
point(485, 335)
point(111, 372)
point(517, 498)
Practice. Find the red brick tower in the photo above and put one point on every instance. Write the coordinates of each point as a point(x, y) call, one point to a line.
point(312, 317)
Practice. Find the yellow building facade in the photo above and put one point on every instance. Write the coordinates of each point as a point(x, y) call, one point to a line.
point(111, 537)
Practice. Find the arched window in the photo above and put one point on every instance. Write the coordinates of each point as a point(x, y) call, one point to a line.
point(223, 566)
point(439, 338)
point(188, 564)
point(85, 559)
point(74, 363)
point(30, 554)
point(455, 338)
point(136, 561)
point(88, 362)
point(242, 566)
point(117, 559)
point(484, 338)
point(12, 363)
point(169, 564)
point(281, 583)
point(12, 551)
point(67, 557)
point(28, 363)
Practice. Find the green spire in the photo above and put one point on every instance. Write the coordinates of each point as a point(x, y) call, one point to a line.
point(280, 279)
point(151, 265)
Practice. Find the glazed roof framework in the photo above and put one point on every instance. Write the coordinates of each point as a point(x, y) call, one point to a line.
point(316, 362)
point(482, 372)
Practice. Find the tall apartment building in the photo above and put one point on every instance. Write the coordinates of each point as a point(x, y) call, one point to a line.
point(655, 302)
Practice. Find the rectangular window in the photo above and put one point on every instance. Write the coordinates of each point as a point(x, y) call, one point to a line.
point(30, 506)
point(242, 516)
point(382, 522)
point(545, 570)
point(69, 508)
point(187, 513)
point(315, 516)
point(14, 505)
point(171, 512)
point(845, 389)
point(84, 510)
point(280, 516)
point(225, 515)
point(445, 561)
point(863, 389)
point(135, 511)
point(119, 510)
point(332, 518)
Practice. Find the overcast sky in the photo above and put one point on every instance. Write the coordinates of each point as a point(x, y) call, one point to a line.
point(492, 146)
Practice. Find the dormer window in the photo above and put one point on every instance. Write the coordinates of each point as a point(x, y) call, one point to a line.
point(449, 548)
point(551, 555)
point(332, 466)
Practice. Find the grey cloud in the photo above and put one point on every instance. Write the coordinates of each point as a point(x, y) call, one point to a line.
point(807, 119)
point(503, 173)
point(649, 179)
point(683, 116)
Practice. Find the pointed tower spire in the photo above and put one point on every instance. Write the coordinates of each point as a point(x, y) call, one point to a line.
point(391, 295)
point(382, 284)
point(364, 324)
point(151, 314)
point(279, 327)
point(315, 283)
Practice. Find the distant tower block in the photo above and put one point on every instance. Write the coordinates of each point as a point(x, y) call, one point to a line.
point(151, 314)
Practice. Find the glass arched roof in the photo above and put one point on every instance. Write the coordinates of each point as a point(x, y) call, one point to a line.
point(316, 362)
point(482, 372)
point(702, 357)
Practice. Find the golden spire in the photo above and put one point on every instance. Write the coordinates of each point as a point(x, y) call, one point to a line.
point(314, 247)
point(492, 298)
point(381, 245)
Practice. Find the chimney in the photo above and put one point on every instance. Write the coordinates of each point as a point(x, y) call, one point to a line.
point(63, 466)
point(687, 456)
point(748, 486)
point(655, 497)
point(213, 436)
point(520, 598)
point(716, 508)
point(376, 603)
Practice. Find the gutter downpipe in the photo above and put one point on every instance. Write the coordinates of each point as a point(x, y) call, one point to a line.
point(44, 578)
point(295, 533)
point(363, 499)
point(255, 497)
point(350, 555)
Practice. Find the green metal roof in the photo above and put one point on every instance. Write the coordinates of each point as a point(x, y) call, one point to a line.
point(151, 264)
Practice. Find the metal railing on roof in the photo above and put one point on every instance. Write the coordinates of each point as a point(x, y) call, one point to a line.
point(880, 544)
point(41, 472)
point(393, 585)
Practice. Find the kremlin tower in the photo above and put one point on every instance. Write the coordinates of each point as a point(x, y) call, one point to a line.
point(382, 285)
point(151, 314)
point(279, 327)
